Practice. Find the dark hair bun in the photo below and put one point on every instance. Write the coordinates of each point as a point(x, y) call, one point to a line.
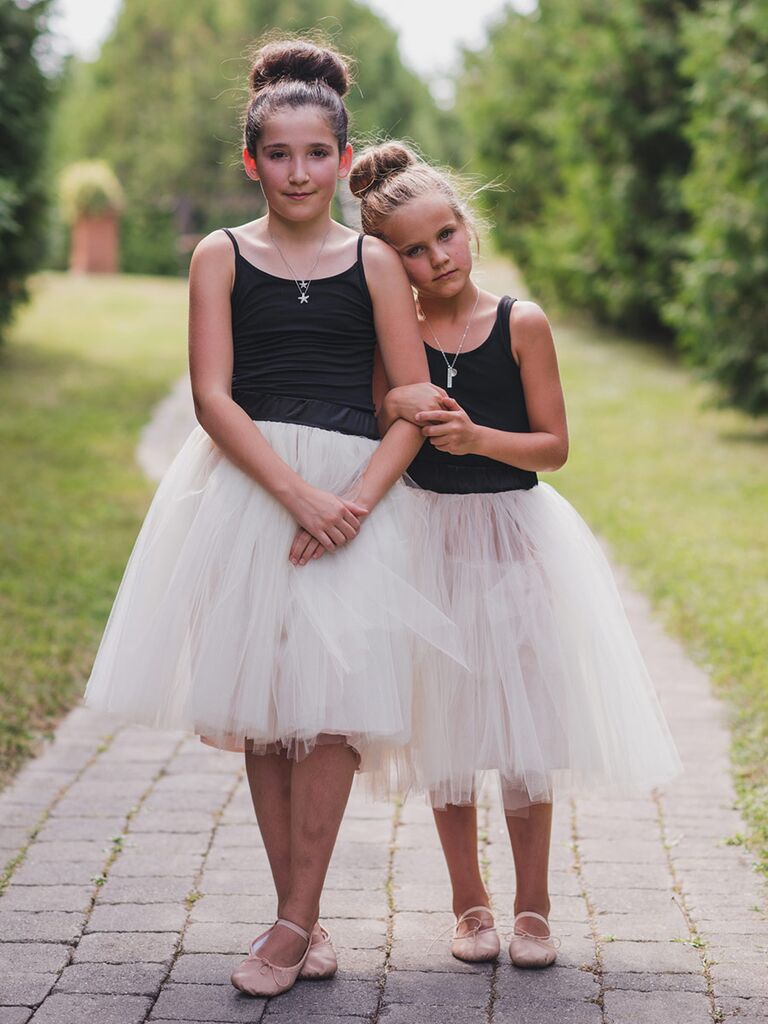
point(375, 165)
point(298, 60)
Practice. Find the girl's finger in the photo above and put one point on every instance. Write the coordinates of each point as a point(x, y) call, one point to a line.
point(356, 508)
point(309, 551)
point(438, 431)
point(434, 416)
point(300, 542)
point(450, 403)
point(337, 535)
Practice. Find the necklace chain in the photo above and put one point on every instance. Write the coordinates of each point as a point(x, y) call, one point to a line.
point(303, 286)
point(451, 366)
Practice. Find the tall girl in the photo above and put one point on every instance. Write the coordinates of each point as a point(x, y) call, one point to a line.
point(559, 695)
point(218, 627)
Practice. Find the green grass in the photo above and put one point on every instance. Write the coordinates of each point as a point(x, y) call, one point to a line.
point(679, 489)
point(78, 376)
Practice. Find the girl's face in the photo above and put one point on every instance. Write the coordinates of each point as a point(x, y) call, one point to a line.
point(433, 243)
point(297, 163)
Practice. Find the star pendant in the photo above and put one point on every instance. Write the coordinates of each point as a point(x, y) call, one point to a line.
point(303, 298)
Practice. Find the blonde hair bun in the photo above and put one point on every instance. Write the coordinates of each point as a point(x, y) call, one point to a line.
point(377, 164)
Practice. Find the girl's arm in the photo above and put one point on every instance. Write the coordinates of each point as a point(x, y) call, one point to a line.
point(403, 362)
point(327, 517)
point(545, 448)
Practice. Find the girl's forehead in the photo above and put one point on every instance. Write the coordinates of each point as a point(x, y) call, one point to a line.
point(297, 126)
point(419, 219)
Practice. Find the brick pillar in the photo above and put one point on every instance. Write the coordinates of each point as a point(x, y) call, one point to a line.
point(95, 242)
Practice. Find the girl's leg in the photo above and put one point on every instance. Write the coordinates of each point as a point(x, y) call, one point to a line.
point(269, 778)
point(457, 828)
point(530, 837)
point(319, 790)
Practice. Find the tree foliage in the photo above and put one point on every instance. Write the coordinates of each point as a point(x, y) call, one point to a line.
point(24, 100)
point(162, 105)
point(580, 106)
point(720, 311)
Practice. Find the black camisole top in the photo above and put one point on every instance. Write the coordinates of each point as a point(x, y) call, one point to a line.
point(308, 363)
point(489, 388)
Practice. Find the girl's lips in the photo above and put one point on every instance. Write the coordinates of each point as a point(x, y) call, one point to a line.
point(446, 274)
point(298, 195)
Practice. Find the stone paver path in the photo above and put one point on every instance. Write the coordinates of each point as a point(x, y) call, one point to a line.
point(136, 877)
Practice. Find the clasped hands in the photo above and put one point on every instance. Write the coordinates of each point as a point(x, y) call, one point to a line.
point(327, 522)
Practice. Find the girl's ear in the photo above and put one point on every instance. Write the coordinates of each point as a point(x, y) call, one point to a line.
point(345, 163)
point(250, 165)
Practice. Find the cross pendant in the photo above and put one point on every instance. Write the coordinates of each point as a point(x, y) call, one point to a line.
point(451, 374)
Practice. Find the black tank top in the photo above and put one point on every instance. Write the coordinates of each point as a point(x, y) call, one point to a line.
point(488, 386)
point(309, 363)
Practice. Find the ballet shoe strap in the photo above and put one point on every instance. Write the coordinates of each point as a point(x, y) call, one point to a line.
point(528, 935)
point(294, 928)
point(530, 913)
point(472, 913)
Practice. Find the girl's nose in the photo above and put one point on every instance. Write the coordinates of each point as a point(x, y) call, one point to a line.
point(298, 172)
point(439, 257)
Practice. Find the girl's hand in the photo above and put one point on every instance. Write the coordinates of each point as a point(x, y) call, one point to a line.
point(410, 399)
point(328, 519)
point(449, 429)
point(305, 548)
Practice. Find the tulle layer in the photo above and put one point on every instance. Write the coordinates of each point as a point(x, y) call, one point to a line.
point(559, 697)
point(213, 630)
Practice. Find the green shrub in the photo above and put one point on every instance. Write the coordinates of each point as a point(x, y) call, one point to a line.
point(87, 189)
point(720, 309)
point(24, 102)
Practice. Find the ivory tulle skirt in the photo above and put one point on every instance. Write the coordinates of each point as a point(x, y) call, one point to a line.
point(559, 698)
point(214, 631)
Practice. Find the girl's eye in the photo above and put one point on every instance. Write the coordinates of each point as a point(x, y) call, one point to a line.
point(276, 154)
point(414, 251)
point(447, 232)
point(320, 152)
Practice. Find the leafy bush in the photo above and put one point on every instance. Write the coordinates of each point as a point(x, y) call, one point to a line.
point(720, 310)
point(89, 188)
point(24, 101)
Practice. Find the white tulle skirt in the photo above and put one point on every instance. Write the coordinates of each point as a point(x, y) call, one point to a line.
point(559, 698)
point(214, 631)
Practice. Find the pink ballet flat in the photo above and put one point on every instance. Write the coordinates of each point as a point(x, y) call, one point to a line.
point(321, 960)
point(257, 976)
point(479, 945)
point(532, 951)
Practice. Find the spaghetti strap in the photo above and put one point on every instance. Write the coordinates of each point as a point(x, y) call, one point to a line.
point(502, 318)
point(360, 268)
point(233, 240)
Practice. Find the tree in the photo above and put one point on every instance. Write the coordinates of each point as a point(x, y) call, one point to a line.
point(162, 105)
point(720, 309)
point(24, 101)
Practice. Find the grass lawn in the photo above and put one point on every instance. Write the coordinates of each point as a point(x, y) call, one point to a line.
point(78, 376)
point(680, 491)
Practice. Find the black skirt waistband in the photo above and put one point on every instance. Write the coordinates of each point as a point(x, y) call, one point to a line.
point(310, 412)
point(454, 478)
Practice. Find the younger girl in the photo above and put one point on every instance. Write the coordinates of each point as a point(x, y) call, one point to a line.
point(559, 694)
point(215, 629)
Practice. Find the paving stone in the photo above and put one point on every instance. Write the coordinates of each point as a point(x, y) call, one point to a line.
point(203, 968)
point(144, 890)
point(125, 947)
point(222, 938)
point(571, 1011)
point(621, 851)
point(73, 1009)
point(642, 927)
point(26, 988)
point(113, 979)
point(15, 1014)
point(650, 957)
point(209, 1003)
point(134, 865)
point(274, 1012)
point(94, 853)
point(238, 836)
point(171, 821)
point(628, 876)
point(658, 982)
point(740, 979)
point(339, 996)
point(557, 983)
point(127, 917)
point(743, 1010)
point(247, 883)
point(37, 957)
point(656, 1008)
point(422, 898)
point(65, 873)
point(418, 955)
point(362, 933)
point(633, 901)
point(402, 1014)
point(25, 926)
point(73, 898)
point(234, 909)
point(427, 989)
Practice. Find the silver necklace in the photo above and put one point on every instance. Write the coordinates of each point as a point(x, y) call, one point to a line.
point(451, 367)
point(303, 286)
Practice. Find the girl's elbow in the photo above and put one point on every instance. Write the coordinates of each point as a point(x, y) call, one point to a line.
point(559, 457)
